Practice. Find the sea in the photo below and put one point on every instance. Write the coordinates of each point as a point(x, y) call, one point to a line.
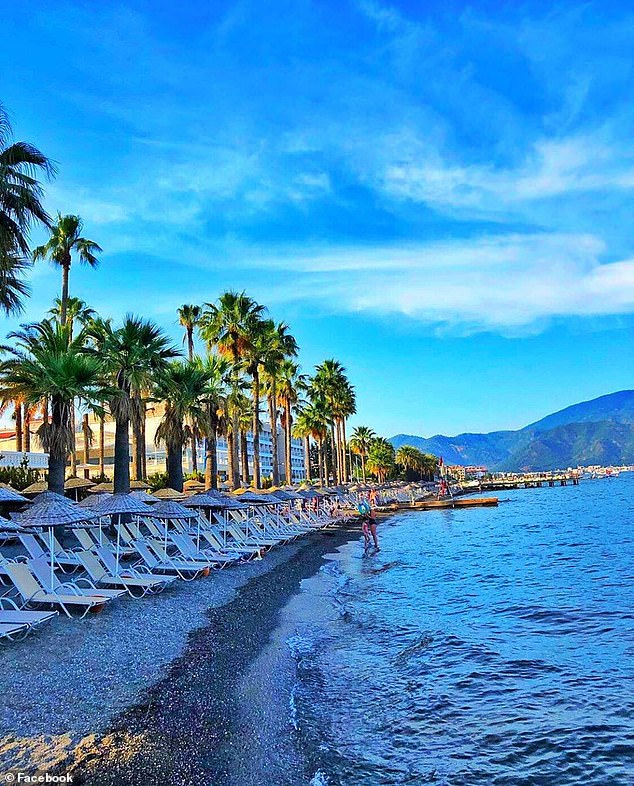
point(489, 646)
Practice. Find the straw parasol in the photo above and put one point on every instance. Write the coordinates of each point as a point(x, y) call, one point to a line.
point(193, 485)
point(117, 504)
point(52, 510)
point(36, 488)
point(249, 498)
point(92, 499)
point(8, 496)
point(144, 497)
point(139, 485)
point(169, 493)
point(77, 483)
point(107, 487)
point(168, 509)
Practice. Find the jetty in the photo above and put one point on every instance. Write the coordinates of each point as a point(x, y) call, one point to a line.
point(457, 502)
point(529, 481)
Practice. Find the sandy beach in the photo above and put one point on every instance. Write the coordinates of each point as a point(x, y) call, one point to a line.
point(150, 690)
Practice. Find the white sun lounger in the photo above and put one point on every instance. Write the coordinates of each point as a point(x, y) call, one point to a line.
point(33, 594)
point(134, 586)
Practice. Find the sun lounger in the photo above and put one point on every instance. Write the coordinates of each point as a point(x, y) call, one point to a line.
point(107, 558)
point(10, 614)
point(33, 594)
point(36, 551)
point(136, 587)
point(12, 631)
point(184, 570)
point(42, 571)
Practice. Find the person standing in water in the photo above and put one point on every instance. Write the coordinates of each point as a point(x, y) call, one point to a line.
point(372, 528)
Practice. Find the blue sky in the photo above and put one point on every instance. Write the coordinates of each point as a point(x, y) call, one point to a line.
point(437, 194)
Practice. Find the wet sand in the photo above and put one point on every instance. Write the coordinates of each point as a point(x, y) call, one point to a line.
point(185, 728)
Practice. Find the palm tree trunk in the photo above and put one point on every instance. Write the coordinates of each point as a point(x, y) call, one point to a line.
point(18, 426)
point(307, 457)
point(190, 342)
point(194, 449)
point(102, 445)
point(273, 420)
point(73, 452)
point(143, 446)
point(122, 456)
point(334, 449)
point(64, 303)
point(86, 430)
point(175, 466)
point(57, 456)
point(45, 409)
point(346, 465)
point(231, 460)
point(244, 450)
point(363, 464)
point(288, 436)
point(27, 429)
point(211, 461)
point(320, 459)
point(256, 430)
point(235, 428)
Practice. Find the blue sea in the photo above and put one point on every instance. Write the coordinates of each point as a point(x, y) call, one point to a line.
point(489, 646)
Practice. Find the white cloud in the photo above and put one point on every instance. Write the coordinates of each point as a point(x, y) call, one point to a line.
point(503, 283)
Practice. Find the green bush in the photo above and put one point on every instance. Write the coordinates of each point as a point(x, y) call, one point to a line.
point(158, 481)
point(21, 476)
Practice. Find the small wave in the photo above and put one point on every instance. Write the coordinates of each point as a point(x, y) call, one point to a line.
point(387, 566)
point(319, 779)
point(422, 644)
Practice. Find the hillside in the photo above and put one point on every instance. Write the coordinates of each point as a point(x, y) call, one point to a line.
point(599, 431)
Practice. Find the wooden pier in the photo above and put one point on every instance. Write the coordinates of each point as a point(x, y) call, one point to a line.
point(457, 502)
point(529, 482)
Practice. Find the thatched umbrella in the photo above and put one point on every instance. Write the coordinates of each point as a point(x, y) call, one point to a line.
point(169, 493)
point(35, 488)
point(168, 510)
point(139, 485)
point(118, 505)
point(92, 500)
point(77, 484)
point(52, 510)
point(143, 496)
point(107, 487)
point(9, 496)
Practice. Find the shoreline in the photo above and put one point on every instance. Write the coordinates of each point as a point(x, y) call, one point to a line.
point(178, 725)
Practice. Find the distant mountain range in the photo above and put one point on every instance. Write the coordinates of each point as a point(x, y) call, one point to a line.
point(600, 431)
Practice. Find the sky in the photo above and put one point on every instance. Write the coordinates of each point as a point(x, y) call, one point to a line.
point(437, 194)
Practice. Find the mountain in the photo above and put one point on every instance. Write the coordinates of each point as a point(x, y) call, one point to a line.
point(600, 431)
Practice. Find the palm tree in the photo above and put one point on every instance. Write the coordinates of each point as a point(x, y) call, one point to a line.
point(228, 324)
point(331, 382)
point(20, 209)
point(188, 317)
point(76, 311)
point(134, 354)
point(410, 458)
point(314, 419)
point(289, 383)
point(360, 443)
point(46, 362)
point(65, 240)
point(182, 386)
point(13, 288)
point(281, 345)
point(381, 458)
point(243, 404)
point(302, 430)
point(256, 354)
point(213, 420)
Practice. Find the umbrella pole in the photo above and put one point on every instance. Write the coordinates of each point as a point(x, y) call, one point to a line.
point(50, 536)
point(118, 542)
